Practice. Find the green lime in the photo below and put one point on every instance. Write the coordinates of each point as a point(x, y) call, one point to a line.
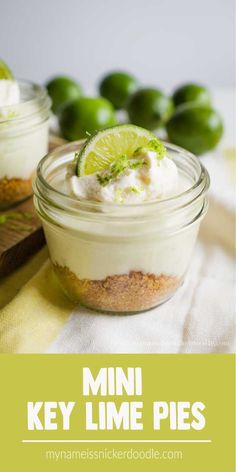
point(149, 108)
point(106, 146)
point(196, 128)
point(118, 87)
point(85, 116)
point(62, 90)
point(192, 93)
point(5, 73)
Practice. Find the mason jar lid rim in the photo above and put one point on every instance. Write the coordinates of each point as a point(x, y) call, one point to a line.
point(45, 191)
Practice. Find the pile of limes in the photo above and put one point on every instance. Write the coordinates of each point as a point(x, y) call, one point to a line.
point(187, 116)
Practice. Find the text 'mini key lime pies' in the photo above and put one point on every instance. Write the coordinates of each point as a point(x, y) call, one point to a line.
point(24, 115)
point(121, 213)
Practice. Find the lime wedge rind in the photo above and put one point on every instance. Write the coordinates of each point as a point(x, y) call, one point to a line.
point(5, 73)
point(106, 146)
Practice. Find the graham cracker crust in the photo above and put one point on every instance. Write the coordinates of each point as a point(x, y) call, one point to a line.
point(132, 292)
point(14, 190)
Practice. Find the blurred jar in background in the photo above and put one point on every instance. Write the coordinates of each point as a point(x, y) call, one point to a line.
point(23, 142)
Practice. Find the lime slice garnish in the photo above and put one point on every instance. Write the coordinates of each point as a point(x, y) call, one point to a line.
point(108, 145)
point(5, 73)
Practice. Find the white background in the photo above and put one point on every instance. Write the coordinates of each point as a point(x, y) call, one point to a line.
point(163, 42)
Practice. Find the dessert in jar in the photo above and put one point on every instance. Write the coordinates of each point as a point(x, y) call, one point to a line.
point(24, 117)
point(121, 213)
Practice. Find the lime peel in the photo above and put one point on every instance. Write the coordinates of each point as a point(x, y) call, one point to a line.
point(117, 144)
point(5, 73)
point(118, 168)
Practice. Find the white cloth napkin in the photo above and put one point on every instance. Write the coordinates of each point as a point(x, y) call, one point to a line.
point(199, 318)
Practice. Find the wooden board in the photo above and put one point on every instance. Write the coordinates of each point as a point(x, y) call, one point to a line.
point(21, 233)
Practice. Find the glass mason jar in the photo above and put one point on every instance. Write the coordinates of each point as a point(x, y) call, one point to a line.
point(119, 258)
point(23, 142)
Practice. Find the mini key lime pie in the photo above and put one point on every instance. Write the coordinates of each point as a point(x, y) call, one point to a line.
point(24, 115)
point(121, 213)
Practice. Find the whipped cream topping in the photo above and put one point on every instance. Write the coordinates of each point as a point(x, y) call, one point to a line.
point(9, 93)
point(155, 179)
